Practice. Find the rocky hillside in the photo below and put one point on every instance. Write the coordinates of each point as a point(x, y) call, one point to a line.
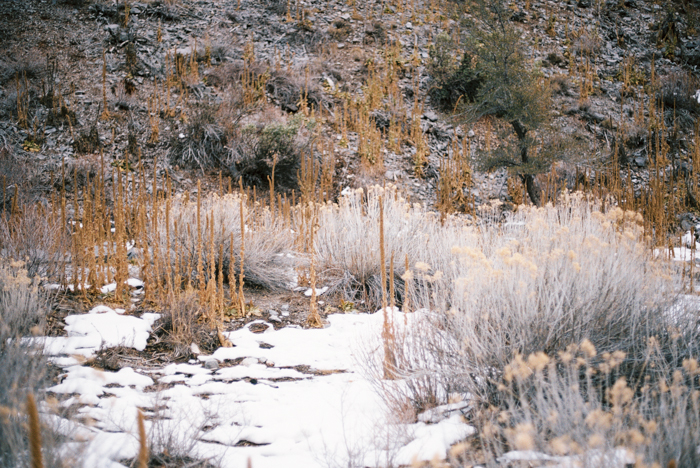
point(146, 82)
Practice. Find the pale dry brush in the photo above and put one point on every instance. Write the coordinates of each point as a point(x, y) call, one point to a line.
point(551, 277)
point(23, 366)
point(580, 404)
point(347, 243)
point(542, 280)
point(269, 257)
point(32, 235)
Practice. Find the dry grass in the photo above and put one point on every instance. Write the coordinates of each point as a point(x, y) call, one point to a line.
point(22, 314)
point(269, 261)
point(541, 281)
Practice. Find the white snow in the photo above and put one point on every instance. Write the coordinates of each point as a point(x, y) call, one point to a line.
point(102, 327)
point(324, 413)
point(309, 292)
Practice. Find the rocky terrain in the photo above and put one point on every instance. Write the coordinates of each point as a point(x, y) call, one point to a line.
point(64, 62)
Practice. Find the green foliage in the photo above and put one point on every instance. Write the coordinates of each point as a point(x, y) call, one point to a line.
point(453, 83)
point(259, 150)
point(509, 87)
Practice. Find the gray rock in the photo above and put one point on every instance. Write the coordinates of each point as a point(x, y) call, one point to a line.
point(431, 116)
point(641, 161)
point(211, 364)
point(112, 29)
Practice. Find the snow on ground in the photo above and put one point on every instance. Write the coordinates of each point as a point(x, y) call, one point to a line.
point(102, 327)
point(266, 408)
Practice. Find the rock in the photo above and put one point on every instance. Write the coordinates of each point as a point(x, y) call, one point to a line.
point(211, 364)
point(471, 134)
point(641, 161)
point(249, 361)
point(431, 116)
point(113, 30)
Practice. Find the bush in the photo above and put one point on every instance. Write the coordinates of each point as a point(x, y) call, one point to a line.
point(201, 144)
point(452, 84)
point(582, 405)
point(181, 325)
point(268, 260)
point(258, 150)
point(348, 248)
point(35, 236)
point(544, 280)
point(24, 367)
point(678, 91)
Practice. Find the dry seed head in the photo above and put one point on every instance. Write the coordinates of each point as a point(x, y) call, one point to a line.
point(422, 266)
point(690, 366)
point(538, 361)
point(635, 437)
point(599, 418)
point(560, 445)
point(588, 348)
point(524, 439)
point(596, 440)
point(620, 393)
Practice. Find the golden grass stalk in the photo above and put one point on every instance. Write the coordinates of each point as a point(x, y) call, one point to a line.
point(37, 460)
point(142, 459)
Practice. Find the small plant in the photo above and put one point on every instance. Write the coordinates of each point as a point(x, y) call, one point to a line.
point(274, 151)
point(201, 144)
point(453, 82)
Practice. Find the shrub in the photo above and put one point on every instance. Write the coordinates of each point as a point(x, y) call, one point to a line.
point(201, 144)
point(268, 260)
point(37, 238)
point(679, 96)
point(581, 405)
point(24, 367)
point(546, 279)
point(348, 249)
point(259, 149)
point(181, 324)
point(452, 84)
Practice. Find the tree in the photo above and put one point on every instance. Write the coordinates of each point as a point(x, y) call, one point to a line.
point(508, 88)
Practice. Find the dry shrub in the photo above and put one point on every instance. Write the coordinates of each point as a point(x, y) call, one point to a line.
point(14, 173)
point(678, 90)
point(587, 44)
point(348, 248)
point(268, 261)
point(259, 149)
point(286, 88)
point(201, 144)
point(30, 65)
point(278, 7)
point(37, 238)
point(340, 30)
point(545, 279)
point(582, 405)
point(24, 367)
point(183, 323)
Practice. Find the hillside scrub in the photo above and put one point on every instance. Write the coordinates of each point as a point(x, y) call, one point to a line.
point(541, 284)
